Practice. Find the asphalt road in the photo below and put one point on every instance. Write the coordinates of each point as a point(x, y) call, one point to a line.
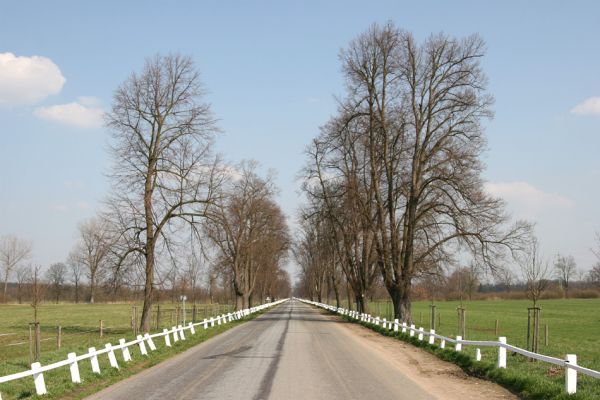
point(291, 352)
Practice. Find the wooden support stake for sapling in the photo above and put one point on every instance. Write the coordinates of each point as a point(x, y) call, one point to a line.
point(101, 328)
point(58, 337)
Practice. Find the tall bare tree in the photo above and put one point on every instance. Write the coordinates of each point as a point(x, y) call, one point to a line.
point(248, 229)
point(92, 250)
point(402, 158)
point(163, 173)
point(534, 270)
point(565, 269)
point(56, 275)
point(12, 252)
point(76, 268)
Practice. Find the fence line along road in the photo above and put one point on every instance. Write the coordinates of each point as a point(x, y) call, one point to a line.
point(172, 335)
point(569, 363)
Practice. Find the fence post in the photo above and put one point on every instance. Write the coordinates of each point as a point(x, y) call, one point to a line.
point(150, 341)
point(443, 343)
point(384, 323)
point(502, 352)
point(58, 336)
point(181, 334)
point(142, 345)
point(212, 322)
point(570, 374)
point(396, 325)
point(94, 360)
point(404, 327)
point(205, 323)
point(125, 350)
point(421, 331)
point(458, 346)
point(111, 356)
point(412, 330)
point(192, 330)
point(167, 338)
point(38, 379)
point(75, 378)
point(175, 334)
point(431, 337)
point(478, 354)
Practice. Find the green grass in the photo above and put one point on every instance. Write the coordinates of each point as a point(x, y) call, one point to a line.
point(574, 328)
point(80, 325)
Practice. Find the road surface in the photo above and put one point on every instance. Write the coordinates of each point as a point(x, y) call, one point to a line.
point(295, 351)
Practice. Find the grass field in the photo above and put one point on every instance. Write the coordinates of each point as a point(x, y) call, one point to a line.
point(573, 326)
point(80, 330)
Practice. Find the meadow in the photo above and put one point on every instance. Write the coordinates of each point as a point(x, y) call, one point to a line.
point(80, 330)
point(573, 328)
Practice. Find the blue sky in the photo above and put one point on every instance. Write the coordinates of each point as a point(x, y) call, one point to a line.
point(271, 71)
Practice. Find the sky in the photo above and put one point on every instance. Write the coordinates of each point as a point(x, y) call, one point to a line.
point(272, 74)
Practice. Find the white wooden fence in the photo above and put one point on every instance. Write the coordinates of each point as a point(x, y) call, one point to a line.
point(569, 363)
point(169, 336)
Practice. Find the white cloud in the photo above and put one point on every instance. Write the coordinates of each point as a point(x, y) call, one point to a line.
point(526, 199)
point(590, 106)
point(27, 80)
point(84, 113)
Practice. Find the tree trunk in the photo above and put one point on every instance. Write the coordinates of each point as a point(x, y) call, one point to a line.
point(5, 287)
point(92, 287)
point(76, 292)
point(239, 301)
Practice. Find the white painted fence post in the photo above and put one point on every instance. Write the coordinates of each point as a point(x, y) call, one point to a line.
point(219, 320)
point(570, 374)
point(181, 334)
point(125, 350)
point(431, 337)
point(175, 334)
point(75, 378)
point(443, 344)
point(212, 322)
point(111, 356)
point(412, 330)
point(205, 323)
point(458, 346)
point(421, 331)
point(142, 345)
point(396, 325)
point(404, 327)
point(502, 352)
point(478, 354)
point(94, 360)
point(38, 379)
point(167, 337)
point(192, 329)
point(150, 341)
point(384, 323)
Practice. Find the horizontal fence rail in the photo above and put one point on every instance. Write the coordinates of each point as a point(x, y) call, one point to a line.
point(143, 342)
point(569, 363)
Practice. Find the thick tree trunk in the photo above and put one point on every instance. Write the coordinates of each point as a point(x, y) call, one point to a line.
point(239, 302)
point(148, 289)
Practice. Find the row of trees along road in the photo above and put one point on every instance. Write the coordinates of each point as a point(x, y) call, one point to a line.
point(394, 178)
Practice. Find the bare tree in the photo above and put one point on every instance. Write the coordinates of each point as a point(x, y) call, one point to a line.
point(37, 288)
point(534, 270)
point(23, 273)
point(56, 276)
point(76, 268)
point(12, 252)
point(248, 229)
point(92, 250)
point(565, 269)
point(402, 159)
point(163, 173)
point(506, 278)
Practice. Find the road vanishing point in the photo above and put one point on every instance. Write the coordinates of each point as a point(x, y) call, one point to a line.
point(295, 351)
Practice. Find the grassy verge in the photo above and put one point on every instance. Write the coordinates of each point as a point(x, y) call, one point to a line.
point(529, 380)
point(58, 381)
